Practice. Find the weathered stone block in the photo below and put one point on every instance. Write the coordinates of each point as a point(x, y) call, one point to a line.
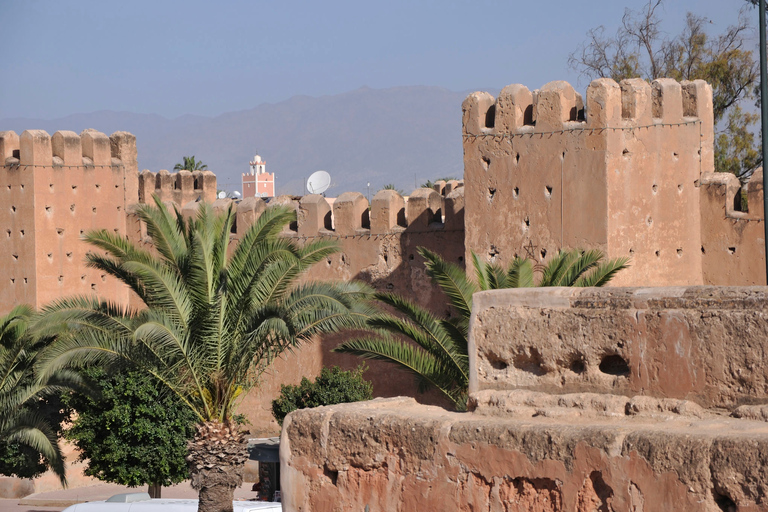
point(693, 343)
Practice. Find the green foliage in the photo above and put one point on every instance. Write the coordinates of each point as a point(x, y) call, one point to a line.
point(21, 460)
point(133, 432)
point(736, 149)
point(214, 319)
point(434, 349)
point(430, 183)
point(190, 164)
point(30, 410)
point(333, 386)
point(641, 50)
point(391, 186)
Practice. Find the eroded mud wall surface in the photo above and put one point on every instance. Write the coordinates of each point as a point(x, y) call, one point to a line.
point(621, 399)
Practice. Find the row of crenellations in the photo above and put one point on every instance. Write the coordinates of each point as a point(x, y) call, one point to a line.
point(557, 106)
point(65, 148)
point(351, 215)
point(180, 187)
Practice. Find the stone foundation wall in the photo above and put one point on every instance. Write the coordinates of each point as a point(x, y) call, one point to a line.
point(664, 408)
point(706, 344)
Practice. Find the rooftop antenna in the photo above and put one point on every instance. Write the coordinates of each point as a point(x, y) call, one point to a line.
point(318, 182)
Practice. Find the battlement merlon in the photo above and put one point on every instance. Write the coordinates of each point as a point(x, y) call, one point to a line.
point(727, 188)
point(9, 148)
point(557, 106)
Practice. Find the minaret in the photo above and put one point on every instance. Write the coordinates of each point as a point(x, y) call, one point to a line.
point(258, 182)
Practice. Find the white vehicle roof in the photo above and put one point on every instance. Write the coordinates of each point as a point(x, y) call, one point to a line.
point(166, 505)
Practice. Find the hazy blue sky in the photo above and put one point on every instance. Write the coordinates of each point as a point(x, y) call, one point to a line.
point(203, 57)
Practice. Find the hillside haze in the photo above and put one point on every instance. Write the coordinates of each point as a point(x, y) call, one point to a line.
point(402, 135)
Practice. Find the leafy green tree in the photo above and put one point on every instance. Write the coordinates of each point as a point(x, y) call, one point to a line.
point(333, 386)
point(639, 49)
point(213, 320)
point(30, 412)
point(132, 432)
point(435, 349)
point(190, 164)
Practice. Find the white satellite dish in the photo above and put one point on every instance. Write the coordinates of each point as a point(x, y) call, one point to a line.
point(221, 195)
point(236, 194)
point(318, 182)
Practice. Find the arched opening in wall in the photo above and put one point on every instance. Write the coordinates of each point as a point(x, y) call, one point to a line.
point(233, 229)
point(158, 182)
point(365, 219)
point(490, 117)
point(528, 116)
point(176, 184)
point(328, 221)
point(197, 183)
point(740, 200)
point(437, 216)
point(401, 218)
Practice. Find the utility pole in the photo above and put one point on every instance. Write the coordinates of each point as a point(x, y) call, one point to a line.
point(764, 111)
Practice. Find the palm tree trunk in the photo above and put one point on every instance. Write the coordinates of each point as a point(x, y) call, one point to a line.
point(216, 459)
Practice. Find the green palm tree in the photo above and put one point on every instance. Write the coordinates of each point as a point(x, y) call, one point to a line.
point(435, 349)
point(190, 164)
point(21, 420)
point(212, 323)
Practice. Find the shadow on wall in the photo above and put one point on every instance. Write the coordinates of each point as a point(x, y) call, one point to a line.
point(408, 279)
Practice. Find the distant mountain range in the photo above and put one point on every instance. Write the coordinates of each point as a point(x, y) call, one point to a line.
point(403, 136)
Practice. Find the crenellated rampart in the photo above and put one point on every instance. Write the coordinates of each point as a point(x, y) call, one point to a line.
point(378, 244)
point(179, 187)
point(627, 168)
point(619, 171)
point(732, 245)
point(53, 189)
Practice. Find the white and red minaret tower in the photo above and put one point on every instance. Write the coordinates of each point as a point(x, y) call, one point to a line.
point(258, 182)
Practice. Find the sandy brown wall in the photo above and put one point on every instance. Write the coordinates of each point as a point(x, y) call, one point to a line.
point(544, 171)
point(637, 399)
point(732, 241)
point(56, 189)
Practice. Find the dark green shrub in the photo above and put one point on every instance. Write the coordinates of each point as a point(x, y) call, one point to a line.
point(333, 386)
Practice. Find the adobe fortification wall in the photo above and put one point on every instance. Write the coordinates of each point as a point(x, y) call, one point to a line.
point(614, 399)
point(52, 190)
point(55, 188)
point(629, 170)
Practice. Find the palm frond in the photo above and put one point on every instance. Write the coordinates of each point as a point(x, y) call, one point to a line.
point(603, 273)
point(415, 360)
point(519, 274)
point(452, 280)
